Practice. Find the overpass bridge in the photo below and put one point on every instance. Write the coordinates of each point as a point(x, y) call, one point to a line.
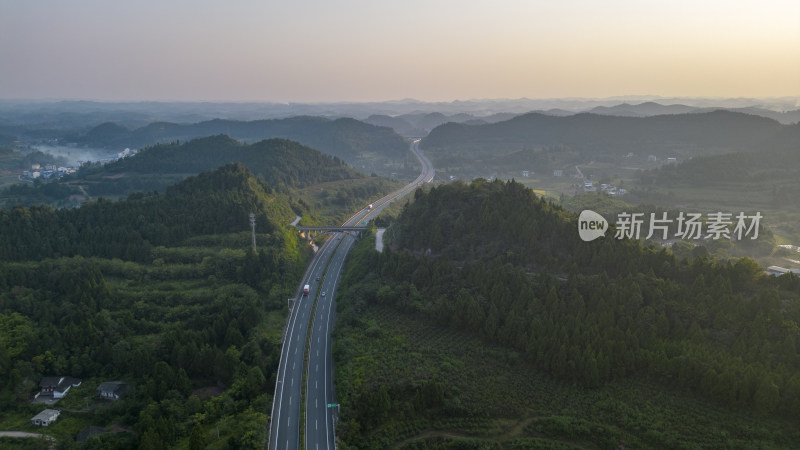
point(313, 232)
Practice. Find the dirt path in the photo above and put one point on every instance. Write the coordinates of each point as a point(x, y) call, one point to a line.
point(510, 433)
point(85, 194)
point(517, 430)
point(379, 239)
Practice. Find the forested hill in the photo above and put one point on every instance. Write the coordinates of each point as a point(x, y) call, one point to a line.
point(348, 139)
point(501, 266)
point(678, 135)
point(776, 170)
point(210, 203)
point(160, 291)
point(281, 162)
point(510, 223)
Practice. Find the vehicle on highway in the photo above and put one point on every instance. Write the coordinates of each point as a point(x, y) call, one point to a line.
point(306, 288)
point(302, 334)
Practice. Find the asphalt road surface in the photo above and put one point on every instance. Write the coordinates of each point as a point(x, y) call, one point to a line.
point(322, 276)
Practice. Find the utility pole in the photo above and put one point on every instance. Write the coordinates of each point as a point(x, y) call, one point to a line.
point(253, 228)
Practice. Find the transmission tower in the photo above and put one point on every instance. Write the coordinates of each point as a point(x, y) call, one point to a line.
point(253, 228)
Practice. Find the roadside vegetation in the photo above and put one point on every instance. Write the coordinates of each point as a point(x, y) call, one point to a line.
point(162, 291)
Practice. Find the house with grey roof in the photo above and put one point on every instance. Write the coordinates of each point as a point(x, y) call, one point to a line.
point(46, 417)
point(112, 390)
point(57, 387)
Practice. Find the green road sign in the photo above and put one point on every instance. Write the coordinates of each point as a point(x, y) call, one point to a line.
point(332, 405)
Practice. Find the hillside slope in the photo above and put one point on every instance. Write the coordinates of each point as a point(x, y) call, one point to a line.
point(280, 162)
point(494, 265)
point(775, 170)
point(348, 139)
point(676, 135)
point(160, 291)
point(210, 203)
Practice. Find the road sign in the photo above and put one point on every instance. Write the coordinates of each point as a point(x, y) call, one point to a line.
point(332, 405)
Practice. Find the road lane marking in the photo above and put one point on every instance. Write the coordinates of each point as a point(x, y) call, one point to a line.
point(329, 251)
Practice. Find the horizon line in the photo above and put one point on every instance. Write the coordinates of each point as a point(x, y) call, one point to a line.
point(649, 97)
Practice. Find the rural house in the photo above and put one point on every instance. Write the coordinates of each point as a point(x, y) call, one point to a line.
point(112, 390)
point(46, 417)
point(57, 387)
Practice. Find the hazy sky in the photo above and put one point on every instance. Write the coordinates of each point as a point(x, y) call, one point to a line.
point(371, 50)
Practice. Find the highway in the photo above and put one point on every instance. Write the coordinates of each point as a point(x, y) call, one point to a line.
point(319, 429)
point(323, 276)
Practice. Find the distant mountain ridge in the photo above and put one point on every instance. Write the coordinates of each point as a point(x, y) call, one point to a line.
point(420, 124)
point(642, 109)
point(647, 109)
point(679, 135)
point(67, 114)
point(280, 162)
point(345, 138)
point(37, 121)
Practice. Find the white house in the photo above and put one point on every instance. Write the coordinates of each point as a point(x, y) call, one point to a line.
point(777, 271)
point(46, 417)
point(57, 386)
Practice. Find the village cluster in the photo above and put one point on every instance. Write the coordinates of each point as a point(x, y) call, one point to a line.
point(52, 171)
point(53, 389)
point(47, 172)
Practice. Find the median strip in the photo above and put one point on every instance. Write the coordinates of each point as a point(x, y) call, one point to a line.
point(308, 347)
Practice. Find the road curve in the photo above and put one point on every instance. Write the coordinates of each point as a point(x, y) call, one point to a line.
point(313, 334)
